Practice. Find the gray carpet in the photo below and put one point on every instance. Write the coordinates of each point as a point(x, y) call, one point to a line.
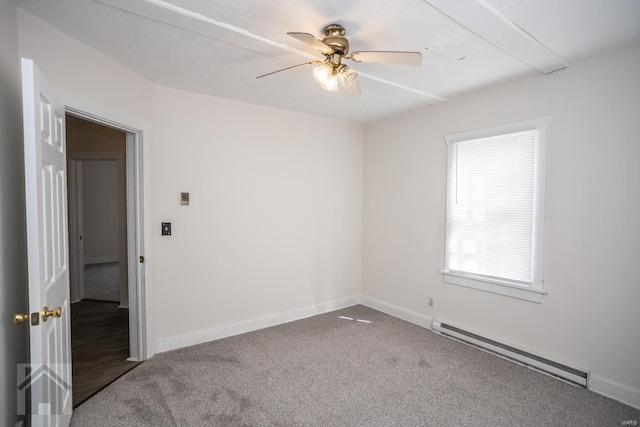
point(328, 371)
point(102, 282)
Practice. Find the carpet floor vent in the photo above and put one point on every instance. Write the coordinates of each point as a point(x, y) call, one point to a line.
point(567, 373)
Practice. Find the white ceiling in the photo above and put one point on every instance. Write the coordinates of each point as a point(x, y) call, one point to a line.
point(219, 47)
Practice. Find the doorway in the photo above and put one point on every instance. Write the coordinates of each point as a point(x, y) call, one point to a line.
point(99, 259)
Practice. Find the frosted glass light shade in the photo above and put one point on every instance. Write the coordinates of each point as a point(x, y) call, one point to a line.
point(347, 76)
point(324, 75)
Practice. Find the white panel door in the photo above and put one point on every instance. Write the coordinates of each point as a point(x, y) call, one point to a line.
point(47, 250)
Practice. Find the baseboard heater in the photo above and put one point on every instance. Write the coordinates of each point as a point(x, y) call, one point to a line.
point(567, 373)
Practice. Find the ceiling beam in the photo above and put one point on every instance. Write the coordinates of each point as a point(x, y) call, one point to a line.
point(487, 22)
point(175, 16)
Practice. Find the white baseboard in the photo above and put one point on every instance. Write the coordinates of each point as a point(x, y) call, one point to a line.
point(400, 313)
point(101, 260)
point(212, 334)
point(615, 391)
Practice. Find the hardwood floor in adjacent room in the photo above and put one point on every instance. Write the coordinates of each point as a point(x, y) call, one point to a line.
point(99, 346)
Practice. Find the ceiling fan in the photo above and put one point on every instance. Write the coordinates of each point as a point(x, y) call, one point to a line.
point(332, 74)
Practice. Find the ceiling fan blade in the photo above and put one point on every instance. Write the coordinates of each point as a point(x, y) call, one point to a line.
point(312, 41)
point(288, 68)
point(388, 57)
point(352, 89)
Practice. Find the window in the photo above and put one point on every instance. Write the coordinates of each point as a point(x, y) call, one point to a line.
point(495, 209)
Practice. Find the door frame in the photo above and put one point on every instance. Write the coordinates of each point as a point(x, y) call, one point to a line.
point(76, 221)
point(138, 182)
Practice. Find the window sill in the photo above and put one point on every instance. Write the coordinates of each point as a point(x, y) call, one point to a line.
point(508, 289)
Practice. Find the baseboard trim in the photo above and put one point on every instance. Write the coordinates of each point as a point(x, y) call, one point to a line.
point(614, 391)
point(212, 334)
point(101, 260)
point(400, 313)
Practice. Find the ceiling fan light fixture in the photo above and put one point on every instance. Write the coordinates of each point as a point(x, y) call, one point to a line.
point(326, 77)
point(347, 76)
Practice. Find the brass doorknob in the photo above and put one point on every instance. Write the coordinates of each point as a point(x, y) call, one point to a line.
point(46, 313)
point(20, 317)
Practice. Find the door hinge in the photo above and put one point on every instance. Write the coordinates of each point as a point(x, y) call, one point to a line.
point(141, 260)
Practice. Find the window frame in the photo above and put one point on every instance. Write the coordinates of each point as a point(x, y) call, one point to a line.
point(531, 292)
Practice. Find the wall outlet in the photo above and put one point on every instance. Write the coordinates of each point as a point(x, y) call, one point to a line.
point(431, 302)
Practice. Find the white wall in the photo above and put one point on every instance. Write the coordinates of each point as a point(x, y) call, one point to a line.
point(14, 339)
point(100, 210)
point(592, 239)
point(274, 223)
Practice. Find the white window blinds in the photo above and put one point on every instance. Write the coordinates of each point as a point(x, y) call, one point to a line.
point(490, 207)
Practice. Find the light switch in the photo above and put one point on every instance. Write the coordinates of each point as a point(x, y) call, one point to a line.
point(166, 229)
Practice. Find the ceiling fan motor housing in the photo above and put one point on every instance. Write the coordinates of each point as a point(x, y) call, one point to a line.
point(335, 38)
